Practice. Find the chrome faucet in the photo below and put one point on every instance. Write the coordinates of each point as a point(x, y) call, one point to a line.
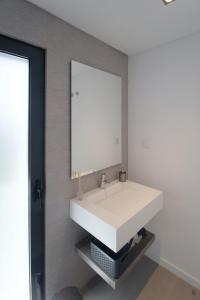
point(103, 181)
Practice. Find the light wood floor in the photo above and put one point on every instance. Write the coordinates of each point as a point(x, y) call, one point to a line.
point(166, 286)
point(147, 282)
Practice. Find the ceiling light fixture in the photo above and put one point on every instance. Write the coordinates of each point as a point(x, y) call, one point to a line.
point(166, 2)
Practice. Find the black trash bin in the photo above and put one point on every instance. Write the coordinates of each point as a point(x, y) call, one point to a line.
point(69, 293)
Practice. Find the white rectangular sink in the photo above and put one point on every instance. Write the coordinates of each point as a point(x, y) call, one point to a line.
point(115, 214)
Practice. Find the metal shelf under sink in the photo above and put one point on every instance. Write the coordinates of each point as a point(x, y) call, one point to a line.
point(83, 250)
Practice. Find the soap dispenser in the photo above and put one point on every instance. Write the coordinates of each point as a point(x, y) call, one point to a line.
point(80, 191)
point(122, 175)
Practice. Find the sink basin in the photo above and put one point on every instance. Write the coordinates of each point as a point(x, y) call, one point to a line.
point(115, 214)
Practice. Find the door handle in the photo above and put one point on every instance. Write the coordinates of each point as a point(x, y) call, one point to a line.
point(38, 193)
point(38, 285)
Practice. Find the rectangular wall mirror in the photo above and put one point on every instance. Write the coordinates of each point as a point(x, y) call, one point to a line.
point(95, 119)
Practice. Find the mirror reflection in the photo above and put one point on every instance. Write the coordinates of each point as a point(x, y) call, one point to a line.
point(95, 119)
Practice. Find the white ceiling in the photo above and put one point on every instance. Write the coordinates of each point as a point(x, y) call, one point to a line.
point(131, 26)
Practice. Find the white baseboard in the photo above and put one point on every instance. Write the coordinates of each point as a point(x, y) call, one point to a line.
point(177, 271)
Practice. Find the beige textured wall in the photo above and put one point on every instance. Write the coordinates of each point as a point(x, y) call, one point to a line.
point(63, 42)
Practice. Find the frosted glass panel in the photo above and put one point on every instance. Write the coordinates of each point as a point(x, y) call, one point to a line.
point(14, 234)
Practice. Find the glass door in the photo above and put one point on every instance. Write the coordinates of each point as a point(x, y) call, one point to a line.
point(21, 170)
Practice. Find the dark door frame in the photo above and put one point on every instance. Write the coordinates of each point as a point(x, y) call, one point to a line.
point(36, 163)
